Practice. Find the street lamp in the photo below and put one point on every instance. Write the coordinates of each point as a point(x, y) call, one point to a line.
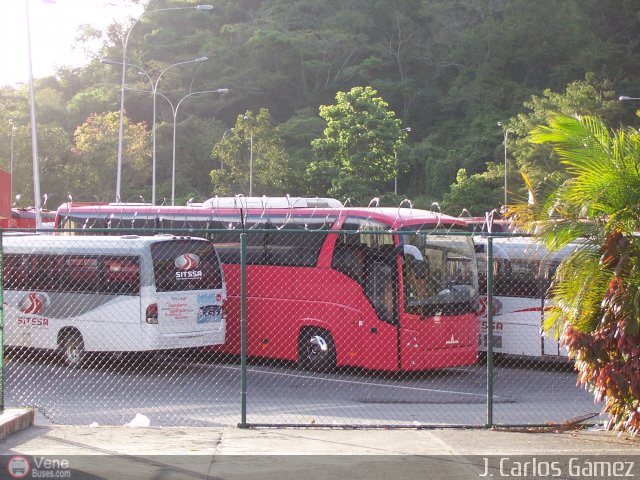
point(175, 114)
point(622, 98)
point(34, 132)
point(13, 131)
point(200, 8)
point(246, 117)
point(174, 110)
point(154, 91)
point(395, 153)
point(506, 137)
point(221, 140)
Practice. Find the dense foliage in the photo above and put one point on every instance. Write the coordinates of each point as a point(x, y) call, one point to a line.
point(450, 70)
point(597, 288)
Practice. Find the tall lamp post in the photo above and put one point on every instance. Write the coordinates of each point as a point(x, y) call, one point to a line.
point(222, 139)
point(13, 131)
point(154, 91)
point(200, 8)
point(395, 153)
point(247, 117)
point(34, 131)
point(506, 137)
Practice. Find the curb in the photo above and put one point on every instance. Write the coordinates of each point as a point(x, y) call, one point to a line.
point(15, 419)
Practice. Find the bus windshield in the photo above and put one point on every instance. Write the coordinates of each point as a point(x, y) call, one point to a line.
point(440, 276)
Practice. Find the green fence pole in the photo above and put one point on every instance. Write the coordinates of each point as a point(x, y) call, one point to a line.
point(489, 332)
point(243, 331)
point(1, 327)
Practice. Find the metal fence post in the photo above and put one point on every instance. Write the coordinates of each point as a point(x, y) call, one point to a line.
point(489, 332)
point(1, 327)
point(243, 331)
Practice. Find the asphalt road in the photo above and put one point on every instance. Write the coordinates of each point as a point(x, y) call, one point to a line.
point(175, 391)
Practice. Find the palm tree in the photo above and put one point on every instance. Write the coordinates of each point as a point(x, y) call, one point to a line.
point(597, 288)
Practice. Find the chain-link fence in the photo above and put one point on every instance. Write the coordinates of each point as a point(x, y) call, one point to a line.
point(307, 326)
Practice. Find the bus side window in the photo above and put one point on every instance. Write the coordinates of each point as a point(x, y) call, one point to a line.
point(379, 287)
point(417, 280)
point(350, 260)
point(82, 273)
point(121, 275)
point(41, 273)
point(381, 281)
point(14, 275)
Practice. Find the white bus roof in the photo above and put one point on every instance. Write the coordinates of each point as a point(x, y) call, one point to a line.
point(529, 248)
point(82, 244)
point(271, 202)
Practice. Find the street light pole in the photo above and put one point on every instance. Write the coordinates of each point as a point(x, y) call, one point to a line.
point(34, 132)
point(200, 8)
point(506, 137)
point(250, 160)
point(175, 114)
point(247, 117)
point(13, 131)
point(154, 91)
point(221, 140)
point(395, 153)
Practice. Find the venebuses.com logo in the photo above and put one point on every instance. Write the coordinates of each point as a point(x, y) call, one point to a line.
point(18, 467)
point(38, 467)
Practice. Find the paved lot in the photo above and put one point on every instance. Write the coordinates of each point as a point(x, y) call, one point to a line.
point(207, 394)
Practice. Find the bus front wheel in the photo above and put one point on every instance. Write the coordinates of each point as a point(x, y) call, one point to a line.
point(316, 350)
point(72, 349)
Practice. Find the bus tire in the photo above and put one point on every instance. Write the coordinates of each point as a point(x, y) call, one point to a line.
point(316, 350)
point(72, 349)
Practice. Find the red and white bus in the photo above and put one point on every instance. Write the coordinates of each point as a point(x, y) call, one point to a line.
point(392, 289)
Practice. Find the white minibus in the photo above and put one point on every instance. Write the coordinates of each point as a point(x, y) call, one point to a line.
point(84, 294)
point(523, 272)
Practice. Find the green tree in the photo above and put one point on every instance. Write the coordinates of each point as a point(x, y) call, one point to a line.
point(91, 169)
point(356, 158)
point(475, 193)
point(597, 288)
point(538, 162)
point(251, 158)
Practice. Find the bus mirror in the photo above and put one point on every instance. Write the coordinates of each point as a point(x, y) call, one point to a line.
point(411, 250)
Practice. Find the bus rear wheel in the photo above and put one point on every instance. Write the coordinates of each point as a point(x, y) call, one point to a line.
point(316, 350)
point(72, 349)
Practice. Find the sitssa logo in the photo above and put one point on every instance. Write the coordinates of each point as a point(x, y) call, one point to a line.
point(187, 261)
point(187, 267)
point(33, 303)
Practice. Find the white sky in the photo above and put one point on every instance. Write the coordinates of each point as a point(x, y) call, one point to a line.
point(53, 28)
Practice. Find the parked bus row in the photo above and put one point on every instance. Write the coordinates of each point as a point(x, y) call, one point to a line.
point(379, 288)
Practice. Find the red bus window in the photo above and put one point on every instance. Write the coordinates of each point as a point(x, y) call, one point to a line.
point(121, 275)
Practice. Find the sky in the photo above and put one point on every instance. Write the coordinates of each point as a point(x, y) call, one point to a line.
point(53, 25)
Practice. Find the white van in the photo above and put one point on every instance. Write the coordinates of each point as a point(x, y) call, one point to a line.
point(83, 294)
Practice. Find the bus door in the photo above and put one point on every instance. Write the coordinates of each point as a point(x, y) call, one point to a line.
point(439, 325)
point(367, 290)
